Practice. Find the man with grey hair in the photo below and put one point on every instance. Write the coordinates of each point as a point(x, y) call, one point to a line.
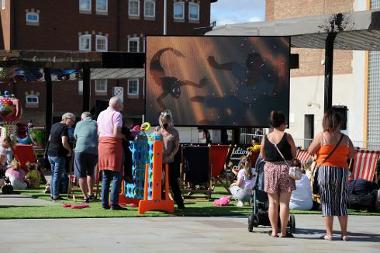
point(58, 150)
point(110, 150)
point(86, 154)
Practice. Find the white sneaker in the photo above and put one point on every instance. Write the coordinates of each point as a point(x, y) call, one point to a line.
point(240, 204)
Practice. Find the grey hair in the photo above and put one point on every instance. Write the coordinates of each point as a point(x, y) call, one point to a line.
point(114, 100)
point(85, 115)
point(167, 114)
point(68, 115)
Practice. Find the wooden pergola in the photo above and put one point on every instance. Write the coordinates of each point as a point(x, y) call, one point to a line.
point(107, 65)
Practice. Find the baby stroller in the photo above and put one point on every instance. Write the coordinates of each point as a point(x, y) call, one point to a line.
point(260, 203)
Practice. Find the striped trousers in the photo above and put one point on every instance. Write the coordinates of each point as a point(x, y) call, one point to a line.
point(333, 188)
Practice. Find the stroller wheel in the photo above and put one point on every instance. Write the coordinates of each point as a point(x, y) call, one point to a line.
point(292, 224)
point(253, 221)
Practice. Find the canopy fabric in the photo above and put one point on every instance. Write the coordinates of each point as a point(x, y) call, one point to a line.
point(360, 30)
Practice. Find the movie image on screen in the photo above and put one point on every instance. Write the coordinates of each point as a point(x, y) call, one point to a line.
point(217, 81)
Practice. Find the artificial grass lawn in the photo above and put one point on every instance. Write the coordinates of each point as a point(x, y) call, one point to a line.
point(196, 206)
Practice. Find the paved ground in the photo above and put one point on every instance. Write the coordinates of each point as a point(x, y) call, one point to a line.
point(178, 234)
point(21, 200)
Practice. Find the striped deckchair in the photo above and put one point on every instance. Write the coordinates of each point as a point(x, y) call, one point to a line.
point(303, 156)
point(364, 165)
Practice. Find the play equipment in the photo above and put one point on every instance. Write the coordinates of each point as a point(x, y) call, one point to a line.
point(146, 189)
point(10, 108)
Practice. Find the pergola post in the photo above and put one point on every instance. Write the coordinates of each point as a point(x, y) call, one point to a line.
point(49, 102)
point(329, 63)
point(86, 88)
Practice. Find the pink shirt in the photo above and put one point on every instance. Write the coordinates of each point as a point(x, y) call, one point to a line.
point(107, 119)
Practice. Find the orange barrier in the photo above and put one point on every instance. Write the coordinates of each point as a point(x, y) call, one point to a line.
point(364, 165)
point(155, 202)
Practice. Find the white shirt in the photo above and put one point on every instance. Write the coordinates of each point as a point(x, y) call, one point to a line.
point(301, 198)
point(248, 184)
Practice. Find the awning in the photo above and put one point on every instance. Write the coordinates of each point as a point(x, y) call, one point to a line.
point(359, 30)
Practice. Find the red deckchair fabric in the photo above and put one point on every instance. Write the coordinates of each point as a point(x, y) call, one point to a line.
point(303, 156)
point(364, 165)
point(24, 153)
point(218, 154)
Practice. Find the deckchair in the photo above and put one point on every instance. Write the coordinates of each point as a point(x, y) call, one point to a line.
point(219, 155)
point(364, 165)
point(303, 156)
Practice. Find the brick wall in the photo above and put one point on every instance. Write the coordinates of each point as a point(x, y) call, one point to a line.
point(311, 60)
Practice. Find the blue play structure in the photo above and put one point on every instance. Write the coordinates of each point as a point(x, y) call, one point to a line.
point(142, 154)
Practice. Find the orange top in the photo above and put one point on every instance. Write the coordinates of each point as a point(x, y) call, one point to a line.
point(337, 159)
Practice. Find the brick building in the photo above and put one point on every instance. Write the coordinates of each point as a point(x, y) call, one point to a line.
point(91, 25)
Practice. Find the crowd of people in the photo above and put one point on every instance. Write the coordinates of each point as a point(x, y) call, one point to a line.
point(332, 150)
point(100, 143)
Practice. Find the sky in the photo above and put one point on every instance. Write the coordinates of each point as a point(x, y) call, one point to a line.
point(237, 11)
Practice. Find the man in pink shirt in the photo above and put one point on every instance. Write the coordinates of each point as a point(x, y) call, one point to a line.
point(110, 153)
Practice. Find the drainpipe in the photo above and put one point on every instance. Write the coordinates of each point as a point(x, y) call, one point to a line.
point(165, 17)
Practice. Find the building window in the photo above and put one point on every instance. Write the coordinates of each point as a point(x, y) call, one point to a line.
point(134, 8)
point(101, 43)
point(101, 87)
point(133, 87)
point(32, 100)
point(32, 18)
point(194, 11)
point(102, 6)
point(149, 8)
point(85, 42)
point(80, 87)
point(85, 6)
point(179, 10)
point(134, 45)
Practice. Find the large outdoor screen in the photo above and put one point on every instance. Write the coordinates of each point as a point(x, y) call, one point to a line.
point(217, 81)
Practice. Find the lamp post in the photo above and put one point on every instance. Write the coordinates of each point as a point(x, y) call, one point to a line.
point(165, 16)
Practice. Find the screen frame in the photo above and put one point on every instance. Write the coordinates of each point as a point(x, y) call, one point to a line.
point(287, 116)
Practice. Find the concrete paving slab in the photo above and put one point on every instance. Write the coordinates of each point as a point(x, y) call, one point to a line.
point(180, 234)
point(21, 200)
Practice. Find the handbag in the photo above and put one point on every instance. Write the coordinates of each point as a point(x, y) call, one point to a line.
point(316, 171)
point(295, 172)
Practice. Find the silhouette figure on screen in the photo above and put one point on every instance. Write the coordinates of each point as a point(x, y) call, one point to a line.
point(169, 85)
point(254, 77)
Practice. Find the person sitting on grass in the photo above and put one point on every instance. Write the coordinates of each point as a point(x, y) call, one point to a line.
point(241, 190)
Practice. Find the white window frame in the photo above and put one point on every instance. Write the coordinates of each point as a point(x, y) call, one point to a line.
point(32, 22)
point(183, 10)
point(3, 7)
point(80, 87)
point(100, 37)
point(154, 8)
point(99, 10)
point(87, 36)
point(137, 85)
point(32, 103)
point(197, 5)
point(136, 39)
point(101, 91)
point(85, 10)
point(138, 8)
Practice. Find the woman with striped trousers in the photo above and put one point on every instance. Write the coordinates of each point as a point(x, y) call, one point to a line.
point(333, 150)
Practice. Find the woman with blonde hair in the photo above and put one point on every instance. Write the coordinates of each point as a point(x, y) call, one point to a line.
point(333, 149)
point(275, 147)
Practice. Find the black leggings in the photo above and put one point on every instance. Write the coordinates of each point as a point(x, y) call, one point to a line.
point(174, 185)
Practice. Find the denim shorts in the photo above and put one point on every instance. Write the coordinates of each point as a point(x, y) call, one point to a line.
point(84, 164)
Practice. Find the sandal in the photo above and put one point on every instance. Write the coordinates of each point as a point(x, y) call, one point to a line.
point(271, 234)
point(287, 235)
point(326, 237)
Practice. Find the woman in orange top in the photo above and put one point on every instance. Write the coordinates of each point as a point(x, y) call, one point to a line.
point(333, 171)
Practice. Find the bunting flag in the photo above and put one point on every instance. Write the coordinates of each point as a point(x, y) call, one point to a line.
point(24, 74)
